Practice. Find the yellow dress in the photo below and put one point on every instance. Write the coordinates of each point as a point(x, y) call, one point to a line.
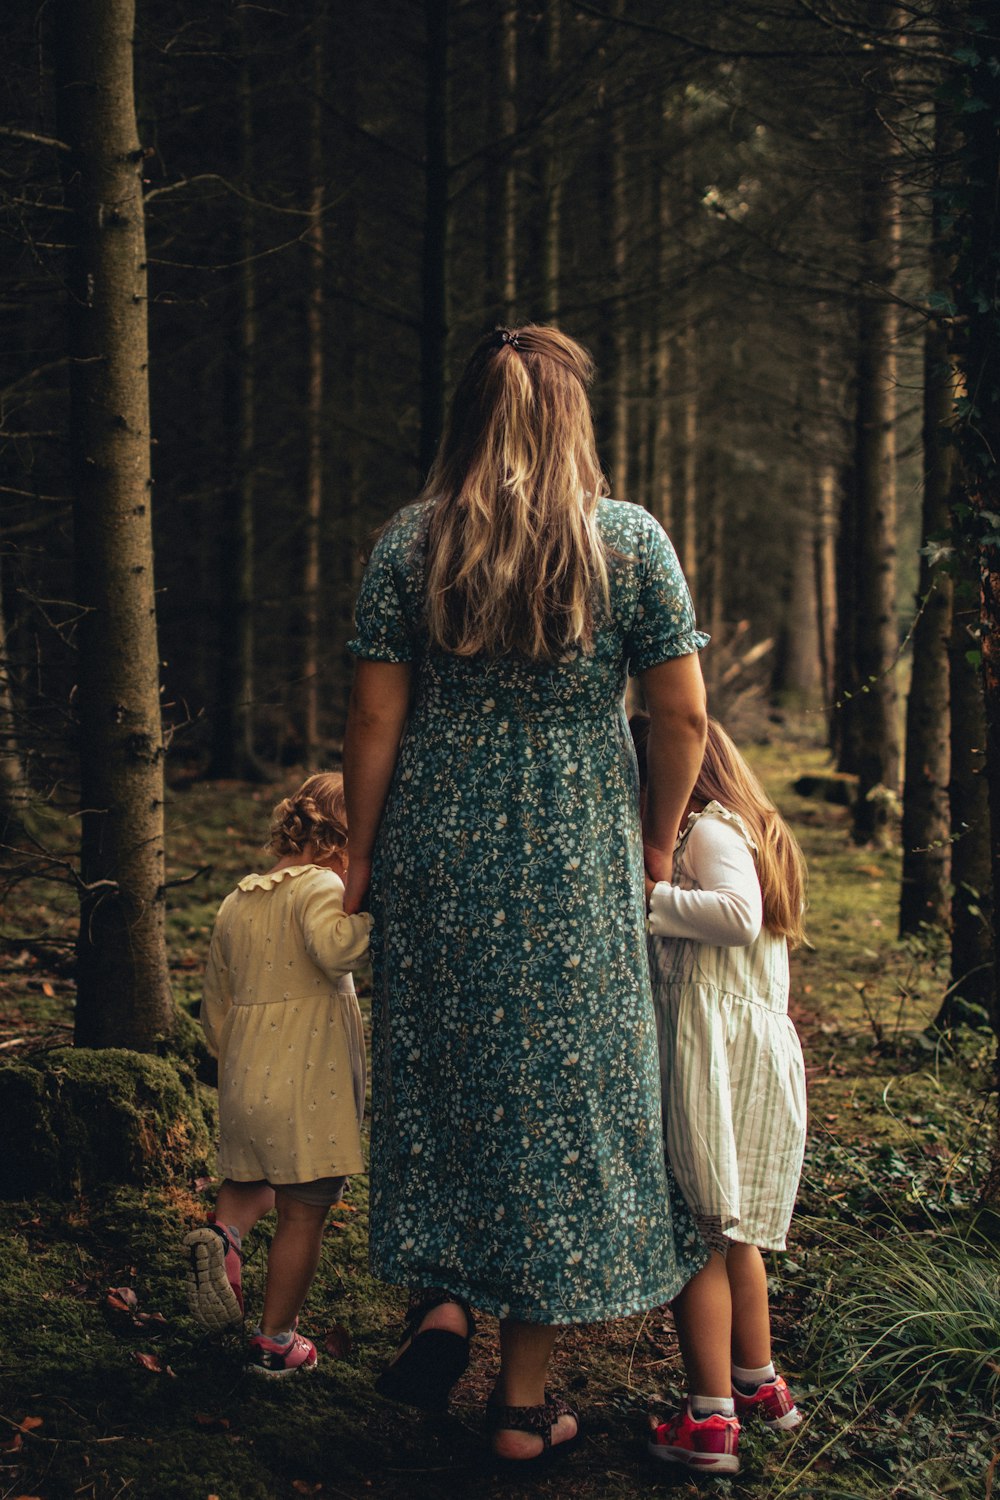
point(280, 1012)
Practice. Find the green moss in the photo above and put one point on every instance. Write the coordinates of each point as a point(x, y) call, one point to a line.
point(81, 1118)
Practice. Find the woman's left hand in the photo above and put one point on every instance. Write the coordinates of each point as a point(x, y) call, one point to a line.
point(359, 879)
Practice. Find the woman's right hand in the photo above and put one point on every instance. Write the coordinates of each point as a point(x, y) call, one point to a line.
point(356, 887)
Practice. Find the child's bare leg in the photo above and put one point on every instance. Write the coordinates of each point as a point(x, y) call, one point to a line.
point(703, 1316)
point(292, 1261)
point(751, 1336)
point(242, 1204)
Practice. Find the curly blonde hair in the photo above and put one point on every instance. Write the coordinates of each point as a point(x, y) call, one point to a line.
point(316, 814)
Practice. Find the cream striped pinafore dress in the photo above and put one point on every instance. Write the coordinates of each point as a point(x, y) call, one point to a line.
point(734, 1098)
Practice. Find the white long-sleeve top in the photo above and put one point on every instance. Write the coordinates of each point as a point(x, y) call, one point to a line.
point(716, 898)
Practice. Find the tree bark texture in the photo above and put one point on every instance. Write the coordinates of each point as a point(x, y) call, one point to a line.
point(123, 994)
point(552, 169)
point(976, 283)
point(689, 456)
point(315, 472)
point(434, 260)
point(925, 896)
point(233, 748)
point(661, 500)
point(621, 364)
point(508, 124)
point(875, 470)
point(972, 976)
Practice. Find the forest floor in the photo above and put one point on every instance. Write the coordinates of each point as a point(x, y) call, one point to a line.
point(885, 1306)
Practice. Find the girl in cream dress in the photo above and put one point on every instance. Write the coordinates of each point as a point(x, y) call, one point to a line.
point(734, 1100)
point(281, 1014)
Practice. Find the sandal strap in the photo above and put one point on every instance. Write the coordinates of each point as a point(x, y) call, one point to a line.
point(538, 1420)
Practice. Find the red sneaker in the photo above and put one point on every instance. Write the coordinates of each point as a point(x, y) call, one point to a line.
point(771, 1404)
point(268, 1357)
point(214, 1278)
point(709, 1446)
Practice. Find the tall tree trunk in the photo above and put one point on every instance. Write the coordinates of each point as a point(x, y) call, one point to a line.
point(925, 895)
point(620, 331)
point(508, 122)
point(552, 169)
point(434, 271)
point(315, 474)
point(800, 676)
point(123, 994)
point(689, 455)
point(826, 577)
point(977, 234)
point(13, 782)
point(972, 973)
point(661, 501)
point(875, 464)
point(233, 752)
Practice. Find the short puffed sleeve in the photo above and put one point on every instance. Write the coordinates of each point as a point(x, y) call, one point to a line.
point(382, 632)
point(663, 625)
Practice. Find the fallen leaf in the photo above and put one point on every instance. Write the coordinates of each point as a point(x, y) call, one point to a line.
point(303, 1487)
point(122, 1299)
point(48, 991)
point(347, 1207)
point(338, 1342)
point(12, 1444)
point(149, 1362)
point(201, 1183)
point(154, 1317)
point(210, 1423)
point(30, 1423)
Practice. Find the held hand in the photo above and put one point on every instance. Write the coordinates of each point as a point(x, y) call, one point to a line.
point(359, 878)
point(650, 884)
point(659, 864)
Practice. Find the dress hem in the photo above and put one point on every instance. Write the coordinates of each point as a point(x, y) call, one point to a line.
point(524, 1314)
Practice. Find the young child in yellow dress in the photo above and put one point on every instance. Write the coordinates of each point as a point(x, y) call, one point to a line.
point(281, 1014)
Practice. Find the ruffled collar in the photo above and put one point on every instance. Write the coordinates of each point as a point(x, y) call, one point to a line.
point(268, 882)
point(716, 810)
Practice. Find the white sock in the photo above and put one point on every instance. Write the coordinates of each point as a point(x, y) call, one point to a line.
point(274, 1338)
point(701, 1407)
point(747, 1381)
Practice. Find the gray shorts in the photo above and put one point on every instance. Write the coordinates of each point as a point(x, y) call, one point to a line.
point(322, 1192)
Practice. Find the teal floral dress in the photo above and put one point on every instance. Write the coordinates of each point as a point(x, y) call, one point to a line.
point(517, 1152)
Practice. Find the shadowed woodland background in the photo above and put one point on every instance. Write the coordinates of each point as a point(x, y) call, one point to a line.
point(246, 249)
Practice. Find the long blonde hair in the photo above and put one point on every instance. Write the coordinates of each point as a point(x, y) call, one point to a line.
point(726, 778)
point(515, 561)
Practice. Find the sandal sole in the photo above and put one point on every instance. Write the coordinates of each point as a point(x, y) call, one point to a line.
point(425, 1372)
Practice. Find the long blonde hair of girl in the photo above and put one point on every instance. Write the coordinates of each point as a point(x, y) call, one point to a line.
point(515, 561)
point(725, 777)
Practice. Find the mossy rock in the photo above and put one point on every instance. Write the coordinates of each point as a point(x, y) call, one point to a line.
point(186, 1044)
point(79, 1118)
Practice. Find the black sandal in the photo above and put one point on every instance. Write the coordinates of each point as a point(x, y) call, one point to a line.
point(426, 1369)
point(539, 1420)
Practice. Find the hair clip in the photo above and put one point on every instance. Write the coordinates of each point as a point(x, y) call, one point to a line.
point(506, 337)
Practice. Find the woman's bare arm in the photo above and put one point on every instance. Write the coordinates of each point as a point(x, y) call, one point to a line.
point(675, 698)
point(380, 702)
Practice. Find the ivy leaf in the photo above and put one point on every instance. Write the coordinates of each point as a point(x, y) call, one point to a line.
point(974, 658)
